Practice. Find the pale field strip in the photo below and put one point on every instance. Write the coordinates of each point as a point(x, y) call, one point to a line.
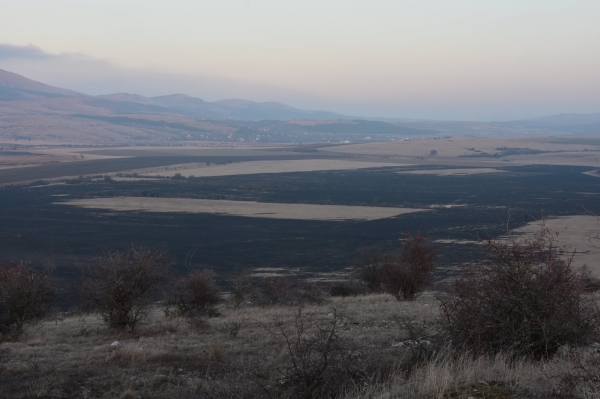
point(258, 167)
point(579, 235)
point(459, 242)
point(594, 173)
point(448, 206)
point(453, 172)
point(456, 148)
point(242, 208)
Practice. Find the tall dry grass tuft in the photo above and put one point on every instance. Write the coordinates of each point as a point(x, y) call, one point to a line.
point(127, 354)
point(447, 376)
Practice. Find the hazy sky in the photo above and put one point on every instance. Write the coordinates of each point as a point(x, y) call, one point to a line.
point(443, 59)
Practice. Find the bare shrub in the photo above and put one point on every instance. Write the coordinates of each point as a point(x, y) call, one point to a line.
point(25, 297)
point(232, 328)
point(405, 275)
point(119, 284)
point(525, 299)
point(197, 295)
point(315, 359)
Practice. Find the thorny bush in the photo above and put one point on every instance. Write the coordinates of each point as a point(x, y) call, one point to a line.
point(315, 360)
point(407, 274)
point(197, 295)
point(25, 297)
point(120, 284)
point(525, 299)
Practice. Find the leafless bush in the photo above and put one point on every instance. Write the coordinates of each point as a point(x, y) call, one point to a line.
point(25, 297)
point(232, 328)
point(405, 275)
point(197, 295)
point(315, 362)
point(119, 284)
point(525, 299)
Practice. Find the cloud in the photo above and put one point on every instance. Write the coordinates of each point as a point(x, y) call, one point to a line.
point(94, 76)
point(480, 92)
point(9, 52)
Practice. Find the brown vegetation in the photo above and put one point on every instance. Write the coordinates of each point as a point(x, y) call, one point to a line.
point(402, 274)
point(118, 284)
point(520, 326)
point(25, 297)
point(196, 296)
point(527, 299)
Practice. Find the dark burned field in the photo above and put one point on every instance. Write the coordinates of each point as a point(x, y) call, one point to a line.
point(33, 226)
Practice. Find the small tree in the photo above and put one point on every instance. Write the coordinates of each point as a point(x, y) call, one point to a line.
point(119, 284)
point(525, 298)
point(197, 294)
point(405, 275)
point(25, 297)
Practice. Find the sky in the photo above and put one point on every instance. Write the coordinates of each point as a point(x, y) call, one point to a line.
point(427, 59)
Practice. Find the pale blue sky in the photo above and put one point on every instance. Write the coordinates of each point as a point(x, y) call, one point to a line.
point(424, 59)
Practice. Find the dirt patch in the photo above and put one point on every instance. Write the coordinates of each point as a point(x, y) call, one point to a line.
point(242, 208)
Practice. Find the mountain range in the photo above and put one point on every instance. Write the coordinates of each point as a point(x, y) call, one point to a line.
point(31, 110)
point(14, 87)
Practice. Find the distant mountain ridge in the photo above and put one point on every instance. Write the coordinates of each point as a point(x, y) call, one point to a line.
point(226, 109)
point(574, 123)
point(17, 87)
point(33, 110)
point(14, 87)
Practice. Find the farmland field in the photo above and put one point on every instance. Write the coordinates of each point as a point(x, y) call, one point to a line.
point(462, 209)
point(256, 167)
point(242, 208)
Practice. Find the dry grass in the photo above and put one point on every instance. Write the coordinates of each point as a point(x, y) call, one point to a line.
point(242, 208)
point(446, 377)
point(74, 356)
point(579, 235)
point(451, 151)
point(454, 172)
point(255, 167)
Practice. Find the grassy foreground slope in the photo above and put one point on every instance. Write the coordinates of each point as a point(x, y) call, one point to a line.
point(241, 354)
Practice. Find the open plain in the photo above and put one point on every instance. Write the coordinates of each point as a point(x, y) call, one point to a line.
point(242, 208)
